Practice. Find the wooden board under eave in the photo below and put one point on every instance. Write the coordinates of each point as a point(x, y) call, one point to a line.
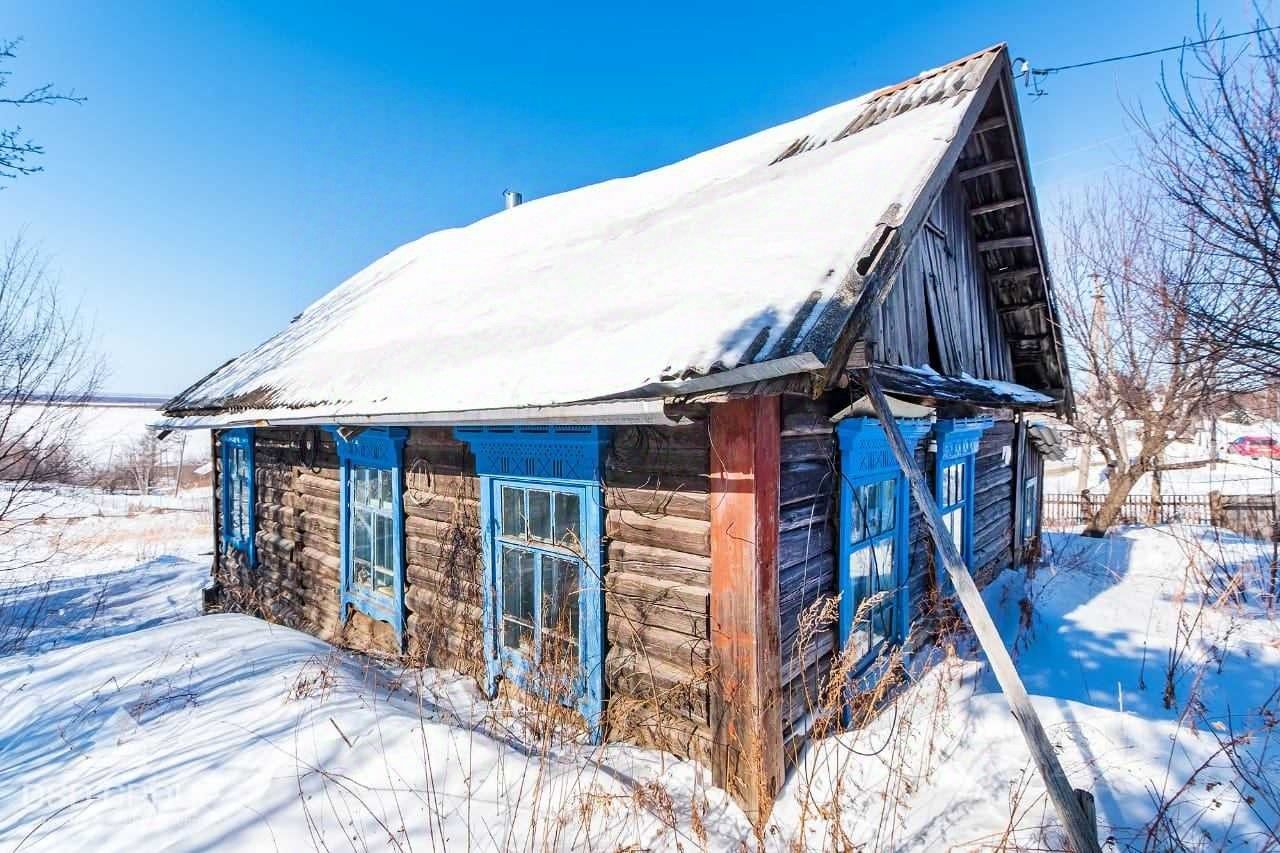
point(808, 474)
point(746, 696)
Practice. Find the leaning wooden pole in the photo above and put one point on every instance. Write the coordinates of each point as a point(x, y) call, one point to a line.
point(1081, 833)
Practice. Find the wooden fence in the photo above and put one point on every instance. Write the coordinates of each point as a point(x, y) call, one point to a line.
point(1249, 515)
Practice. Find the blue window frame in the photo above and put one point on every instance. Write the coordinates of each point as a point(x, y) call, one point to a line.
point(371, 532)
point(1030, 508)
point(953, 480)
point(874, 528)
point(541, 510)
point(239, 493)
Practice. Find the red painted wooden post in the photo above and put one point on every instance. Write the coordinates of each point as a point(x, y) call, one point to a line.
point(746, 701)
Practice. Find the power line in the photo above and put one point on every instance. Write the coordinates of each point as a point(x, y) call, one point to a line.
point(1027, 73)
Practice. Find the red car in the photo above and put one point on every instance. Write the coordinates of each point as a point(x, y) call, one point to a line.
point(1255, 445)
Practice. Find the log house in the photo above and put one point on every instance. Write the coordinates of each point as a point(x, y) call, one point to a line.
point(611, 446)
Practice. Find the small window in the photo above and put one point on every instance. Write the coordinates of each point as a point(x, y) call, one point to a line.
point(372, 531)
point(953, 502)
point(955, 474)
point(873, 563)
point(541, 512)
point(1030, 509)
point(238, 493)
point(875, 606)
point(541, 563)
point(373, 525)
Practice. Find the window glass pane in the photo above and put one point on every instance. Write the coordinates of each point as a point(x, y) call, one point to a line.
point(517, 599)
point(383, 577)
point(560, 596)
point(567, 531)
point(872, 501)
point(857, 515)
point(860, 571)
point(888, 504)
point(512, 511)
point(242, 508)
point(539, 514)
point(953, 520)
point(1030, 509)
point(384, 478)
point(883, 557)
point(860, 639)
point(361, 548)
point(882, 622)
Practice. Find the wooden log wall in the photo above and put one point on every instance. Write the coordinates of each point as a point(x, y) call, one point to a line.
point(657, 532)
point(296, 581)
point(657, 588)
point(658, 665)
point(444, 558)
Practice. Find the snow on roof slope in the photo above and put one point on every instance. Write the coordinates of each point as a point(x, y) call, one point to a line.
point(688, 269)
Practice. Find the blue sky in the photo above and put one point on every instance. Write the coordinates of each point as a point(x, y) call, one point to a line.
point(235, 161)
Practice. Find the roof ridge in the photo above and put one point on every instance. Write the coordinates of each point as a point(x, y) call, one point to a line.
point(933, 72)
point(889, 102)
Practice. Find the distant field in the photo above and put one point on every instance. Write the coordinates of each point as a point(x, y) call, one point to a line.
point(107, 431)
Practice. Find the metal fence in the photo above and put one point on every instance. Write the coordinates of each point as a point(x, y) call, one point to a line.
point(1250, 515)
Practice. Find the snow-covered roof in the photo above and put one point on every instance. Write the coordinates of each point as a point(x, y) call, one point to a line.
point(734, 257)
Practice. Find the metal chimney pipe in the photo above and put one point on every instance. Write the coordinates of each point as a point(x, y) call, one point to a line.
point(511, 198)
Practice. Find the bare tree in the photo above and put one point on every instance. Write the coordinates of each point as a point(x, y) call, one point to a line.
point(15, 146)
point(47, 372)
point(1216, 157)
point(1125, 291)
point(144, 458)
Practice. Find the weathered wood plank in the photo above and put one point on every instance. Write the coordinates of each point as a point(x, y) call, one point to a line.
point(690, 535)
point(671, 687)
point(689, 653)
point(649, 591)
point(660, 563)
point(986, 169)
point(656, 501)
point(1016, 242)
point(993, 206)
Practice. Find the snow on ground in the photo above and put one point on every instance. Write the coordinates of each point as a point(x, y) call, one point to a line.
point(131, 721)
point(1106, 616)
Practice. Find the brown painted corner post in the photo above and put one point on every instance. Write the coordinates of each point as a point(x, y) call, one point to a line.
point(746, 693)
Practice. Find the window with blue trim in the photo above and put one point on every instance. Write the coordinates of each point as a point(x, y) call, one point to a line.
point(541, 513)
point(953, 486)
point(953, 501)
point(238, 492)
point(372, 524)
point(540, 560)
point(874, 528)
point(1030, 509)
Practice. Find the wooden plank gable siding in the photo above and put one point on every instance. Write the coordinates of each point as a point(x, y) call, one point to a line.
point(808, 486)
point(941, 311)
point(994, 498)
